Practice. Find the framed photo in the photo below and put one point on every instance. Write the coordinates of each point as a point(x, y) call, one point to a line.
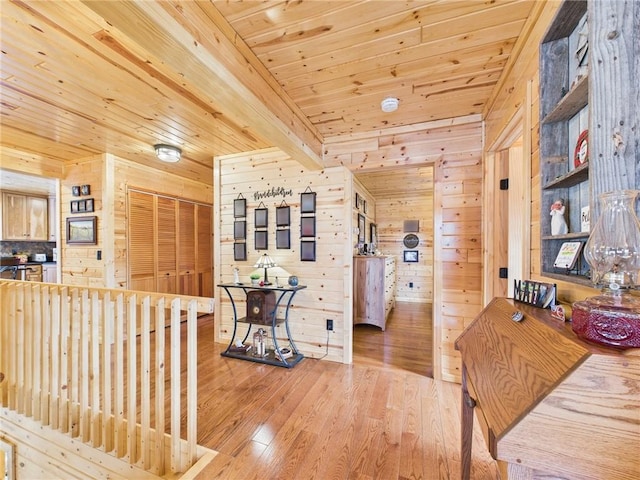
point(358, 200)
point(373, 233)
point(261, 239)
point(239, 230)
point(308, 250)
point(239, 251)
point(283, 216)
point(261, 218)
point(82, 230)
point(75, 205)
point(308, 202)
point(283, 238)
point(85, 190)
point(75, 191)
point(361, 227)
point(411, 256)
point(364, 206)
point(88, 205)
point(307, 226)
point(239, 207)
point(82, 206)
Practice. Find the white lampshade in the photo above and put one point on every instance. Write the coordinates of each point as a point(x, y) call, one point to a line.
point(389, 104)
point(167, 153)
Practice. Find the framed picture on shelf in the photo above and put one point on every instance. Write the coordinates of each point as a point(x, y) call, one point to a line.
point(82, 230)
point(411, 256)
point(239, 251)
point(568, 255)
point(283, 238)
point(239, 230)
point(239, 207)
point(307, 226)
point(261, 238)
point(308, 250)
point(261, 218)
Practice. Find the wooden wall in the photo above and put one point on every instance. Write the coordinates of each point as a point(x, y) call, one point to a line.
point(80, 265)
point(328, 279)
point(507, 99)
point(109, 178)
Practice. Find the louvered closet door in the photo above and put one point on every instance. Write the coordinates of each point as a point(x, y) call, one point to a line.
point(167, 245)
point(187, 277)
point(141, 236)
point(205, 250)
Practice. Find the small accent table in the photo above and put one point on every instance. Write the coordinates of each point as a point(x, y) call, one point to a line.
point(284, 297)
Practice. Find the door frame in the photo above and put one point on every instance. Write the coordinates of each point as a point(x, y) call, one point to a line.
point(519, 194)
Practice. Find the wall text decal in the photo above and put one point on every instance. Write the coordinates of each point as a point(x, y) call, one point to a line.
point(274, 192)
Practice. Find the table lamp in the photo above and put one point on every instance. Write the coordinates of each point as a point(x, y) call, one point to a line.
point(265, 262)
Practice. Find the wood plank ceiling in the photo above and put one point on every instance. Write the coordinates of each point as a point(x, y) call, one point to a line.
point(82, 78)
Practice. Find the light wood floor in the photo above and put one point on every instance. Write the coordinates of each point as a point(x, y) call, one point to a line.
point(381, 418)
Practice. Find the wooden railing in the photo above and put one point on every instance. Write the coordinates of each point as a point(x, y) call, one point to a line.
point(92, 363)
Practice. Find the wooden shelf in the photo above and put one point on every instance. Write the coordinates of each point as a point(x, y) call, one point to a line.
point(572, 278)
point(567, 236)
point(574, 101)
point(574, 177)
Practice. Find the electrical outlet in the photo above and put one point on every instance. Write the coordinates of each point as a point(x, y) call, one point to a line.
point(329, 324)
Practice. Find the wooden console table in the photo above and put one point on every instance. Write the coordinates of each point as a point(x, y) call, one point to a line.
point(550, 404)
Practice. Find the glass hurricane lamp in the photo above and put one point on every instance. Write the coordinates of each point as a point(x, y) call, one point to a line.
point(613, 252)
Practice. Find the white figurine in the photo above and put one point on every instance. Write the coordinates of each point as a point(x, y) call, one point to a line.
point(558, 222)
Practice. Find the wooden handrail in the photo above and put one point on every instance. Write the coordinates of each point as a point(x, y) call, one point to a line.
point(76, 359)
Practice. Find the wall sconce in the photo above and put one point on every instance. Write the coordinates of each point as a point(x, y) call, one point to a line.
point(265, 262)
point(167, 153)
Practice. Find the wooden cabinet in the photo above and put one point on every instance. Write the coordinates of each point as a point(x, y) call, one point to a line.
point(591, 100)
point(24, 217)
point(170, 245)
point(49, 273)
point(550, 405)
point(374, 288)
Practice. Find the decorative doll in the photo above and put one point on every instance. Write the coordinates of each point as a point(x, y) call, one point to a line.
point(558, 222)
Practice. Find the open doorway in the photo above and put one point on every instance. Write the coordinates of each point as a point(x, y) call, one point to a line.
point(507, 207)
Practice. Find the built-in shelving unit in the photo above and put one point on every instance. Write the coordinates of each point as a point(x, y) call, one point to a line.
point(595, 98)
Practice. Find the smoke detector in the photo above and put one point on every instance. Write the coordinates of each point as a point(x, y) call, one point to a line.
point(389, 104)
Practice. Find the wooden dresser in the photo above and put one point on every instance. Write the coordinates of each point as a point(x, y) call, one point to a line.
point(550, 405)
point(374, 289)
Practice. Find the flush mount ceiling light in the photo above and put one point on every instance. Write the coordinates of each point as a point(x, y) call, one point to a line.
point(389, 104)
point(167, 153)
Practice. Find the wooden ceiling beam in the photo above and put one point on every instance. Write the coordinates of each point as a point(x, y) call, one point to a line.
point(208, 65)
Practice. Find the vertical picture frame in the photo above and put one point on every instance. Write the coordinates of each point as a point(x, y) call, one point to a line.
point(239, 252)
point(283, 216)
point(308, 202)
point(239, 207)
point(261, 240)
point(373, 233)
point(239, 230)
point(261, 218)
point(307, 226)
point(308, 250)
point(283, 239)
point(361, 228)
